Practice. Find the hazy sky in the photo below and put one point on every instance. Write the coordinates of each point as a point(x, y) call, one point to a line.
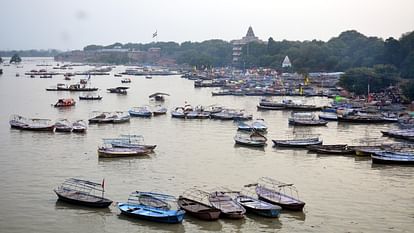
point(43, 24)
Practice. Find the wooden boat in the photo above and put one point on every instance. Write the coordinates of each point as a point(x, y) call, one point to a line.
point(390, 157)
point(152, 207)
point(120, 117)
point(31, 124)
point(118, 75)
point(228, 207)
point(258, 207)
point(79, 126)
point(83, 192)
point(254, 139)
point(300, 142)
point(331, 149)
point(195, 202)
point(90, 97)
point(118, 90)
point(365, 150)
point(115, 152)
point(306, 119)
point(259, 125)
point(274, 192)
point(159, 110)
point(129, 141)
point(140, 112)
point(65, 103)
point(63, 125)
point(244, 126)
point(292, 105)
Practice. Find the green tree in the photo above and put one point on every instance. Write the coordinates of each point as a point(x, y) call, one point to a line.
point(408, 90)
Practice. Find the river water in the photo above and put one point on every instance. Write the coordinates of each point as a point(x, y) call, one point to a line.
point(342, 193)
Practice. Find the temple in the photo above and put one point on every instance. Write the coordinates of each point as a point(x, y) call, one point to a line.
point(286, 62)
point(238, 44)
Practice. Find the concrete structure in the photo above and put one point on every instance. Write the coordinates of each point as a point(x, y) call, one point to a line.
point(238, 44)
point(286, 62)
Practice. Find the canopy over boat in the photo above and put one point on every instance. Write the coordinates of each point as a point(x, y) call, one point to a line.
point(158, 94)
point(83, 192)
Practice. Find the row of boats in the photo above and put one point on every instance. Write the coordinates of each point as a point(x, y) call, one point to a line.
point(35, 124)
point(265, 198)
point(397, 153)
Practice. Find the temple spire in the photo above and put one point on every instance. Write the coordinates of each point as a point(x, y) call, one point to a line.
point(250, 32)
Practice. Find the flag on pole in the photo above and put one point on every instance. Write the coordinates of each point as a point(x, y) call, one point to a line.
point(155, 34)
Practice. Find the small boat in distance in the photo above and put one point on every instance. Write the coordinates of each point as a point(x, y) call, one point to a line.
point(254, 139)
point(118, 90)
point(79, 126)
point(143, 111)
point(65, 102)
point(83, 192)
point(151, 206)
point(159, 110)
point(31, 124)
point(90, 97)
point(118, 75)
point(63, 125)
point(298, 142)
point(126, 80)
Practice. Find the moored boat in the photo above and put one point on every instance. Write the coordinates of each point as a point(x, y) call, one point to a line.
point(63, 125)
point(159, 110)
point(115, 152)
point(228, 207)
point(306, 119)
point(391, 157)
point(274, 192)
point(140, 112)
point(83, 192)
point(331, 149)
point(31, 124)
point(259, 207)
point(195, 202)
point(254, 139)
point(90, 97)
point(151, 206)
point(79, 126)
point(298, 142)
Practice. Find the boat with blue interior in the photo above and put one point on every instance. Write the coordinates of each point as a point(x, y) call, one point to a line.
point(152, 206)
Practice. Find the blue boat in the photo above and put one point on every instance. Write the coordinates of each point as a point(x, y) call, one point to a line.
point(151, 206)
point(385, 157)
point(140, 112)
point(258, 207)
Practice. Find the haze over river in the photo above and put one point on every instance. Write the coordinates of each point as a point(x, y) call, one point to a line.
point(342, 193)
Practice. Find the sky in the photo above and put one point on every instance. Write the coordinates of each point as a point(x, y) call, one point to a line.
point(73, 24)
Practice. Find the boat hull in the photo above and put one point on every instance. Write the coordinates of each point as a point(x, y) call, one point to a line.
point(145, 215)
point(103, 203)
point(198, 210)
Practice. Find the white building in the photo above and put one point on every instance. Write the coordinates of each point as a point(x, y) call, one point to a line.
point(286, 62)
